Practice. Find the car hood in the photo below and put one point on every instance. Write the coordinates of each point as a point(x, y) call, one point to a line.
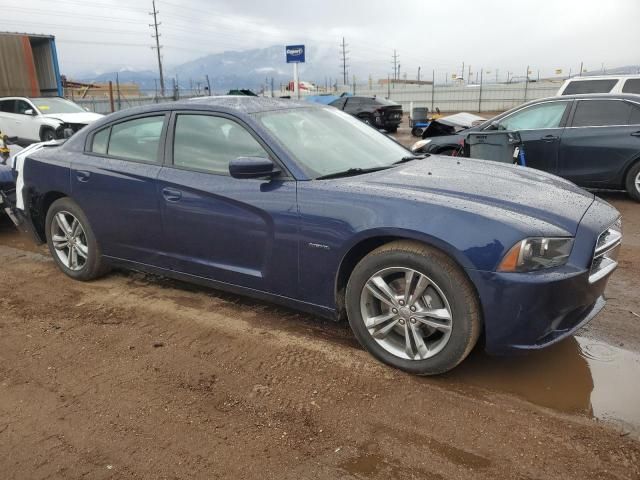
point(80, 117)
point(495, 189)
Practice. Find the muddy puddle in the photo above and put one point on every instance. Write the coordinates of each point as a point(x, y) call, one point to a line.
point(578, 375)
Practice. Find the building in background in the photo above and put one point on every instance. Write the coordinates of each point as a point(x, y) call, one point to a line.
point(29, 65)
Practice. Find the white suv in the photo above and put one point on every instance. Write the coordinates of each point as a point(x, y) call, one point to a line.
point(601, 84)
point(41, 119)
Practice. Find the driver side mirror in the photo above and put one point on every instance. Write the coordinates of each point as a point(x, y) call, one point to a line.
point(252, 167)
point(29, 112)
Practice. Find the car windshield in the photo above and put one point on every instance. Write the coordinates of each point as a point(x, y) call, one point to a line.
point(326, 141)
point(56, 105)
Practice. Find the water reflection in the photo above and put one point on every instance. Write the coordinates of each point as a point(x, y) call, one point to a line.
point(578, 375)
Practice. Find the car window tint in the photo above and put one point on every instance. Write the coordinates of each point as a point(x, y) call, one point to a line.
point(7, 106)
point(635, 115)
point(594, 113)
point(21, 106)
point(543, 115)
point(589, 86)
point(631, 85)
point(204, 142)
point(137, 139)
point(100, 141)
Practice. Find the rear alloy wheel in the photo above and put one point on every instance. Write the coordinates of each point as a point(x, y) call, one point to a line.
point(413, 308)
point(72, 242)
point(633, 182)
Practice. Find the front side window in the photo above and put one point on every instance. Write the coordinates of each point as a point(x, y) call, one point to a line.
point(137, 139)
point(22, 107)
point(577, 87)
point(600, 113)
point(544, 115)
point(631, 85)
point(326, 141)
point(208, 143)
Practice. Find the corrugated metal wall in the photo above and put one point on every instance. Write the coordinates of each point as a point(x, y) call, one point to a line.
point(27, 65)
point(45, 71)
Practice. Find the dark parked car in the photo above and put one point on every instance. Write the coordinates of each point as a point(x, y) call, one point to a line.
point(378, 112)
point(306, 206)
point(592, 140)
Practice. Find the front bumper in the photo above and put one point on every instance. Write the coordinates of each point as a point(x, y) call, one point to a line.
point(524, 311)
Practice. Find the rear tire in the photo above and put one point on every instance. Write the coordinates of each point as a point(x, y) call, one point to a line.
point(72, 243)
point(422, 330)
point(632, 182)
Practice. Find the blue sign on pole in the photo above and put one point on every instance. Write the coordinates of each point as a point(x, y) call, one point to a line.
point(295, 53)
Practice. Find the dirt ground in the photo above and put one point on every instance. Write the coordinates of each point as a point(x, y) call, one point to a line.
point(135, 376)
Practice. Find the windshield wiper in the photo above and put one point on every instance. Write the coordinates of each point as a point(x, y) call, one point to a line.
point(350, 172)
point(409, 158)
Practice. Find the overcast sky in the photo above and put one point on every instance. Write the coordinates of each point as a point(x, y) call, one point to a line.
point(106, 35)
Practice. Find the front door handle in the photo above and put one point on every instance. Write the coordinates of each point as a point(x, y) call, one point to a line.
point(636, 134)
point(83, 176)
point(549, 138)
point(171, 194)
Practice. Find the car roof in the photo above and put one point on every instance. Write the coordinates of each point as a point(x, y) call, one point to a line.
point(604, 77)
point(585, 96)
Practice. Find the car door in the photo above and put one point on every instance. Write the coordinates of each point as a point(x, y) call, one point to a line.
point(540, 127)
point(27, 124)
point(603, 137)
point(6, 117)
point(237, 231)
point(114, 182)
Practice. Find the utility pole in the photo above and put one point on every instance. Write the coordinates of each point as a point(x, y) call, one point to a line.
point(209, 84)
point(433, 88)
point(462, 74)
point(419, 74)
point(581, 67)
point(157, 47)
point(396, 67)
point(343, 54)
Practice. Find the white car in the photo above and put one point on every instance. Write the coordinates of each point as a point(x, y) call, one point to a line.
point(41, 119)
point(601, 84)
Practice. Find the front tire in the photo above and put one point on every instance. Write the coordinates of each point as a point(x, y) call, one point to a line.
point(47, 134)
point(72, 243)
point(632, 182)
point(413, 308)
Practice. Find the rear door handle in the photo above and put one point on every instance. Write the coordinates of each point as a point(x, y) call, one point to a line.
point(83, 175)
point(549, 138)
point(636, 134)
point(171, 194)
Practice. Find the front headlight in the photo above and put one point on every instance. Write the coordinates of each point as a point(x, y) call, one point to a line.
point(419, 144)
point(533, 254)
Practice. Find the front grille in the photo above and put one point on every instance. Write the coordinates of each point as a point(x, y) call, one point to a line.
point(605, 255)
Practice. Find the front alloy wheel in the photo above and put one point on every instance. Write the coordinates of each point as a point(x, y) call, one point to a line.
point(406, 313)
point(412, 307)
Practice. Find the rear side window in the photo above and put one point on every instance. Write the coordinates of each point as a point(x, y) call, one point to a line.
point(137, 139)
point(632, 85)
point(207, 143)
point(7, 106)
point(600, 113)
point(635, 115)
point(589, 86)
point(100, 141)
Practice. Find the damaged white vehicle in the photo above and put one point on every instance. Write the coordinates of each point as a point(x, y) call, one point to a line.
point(33, 120)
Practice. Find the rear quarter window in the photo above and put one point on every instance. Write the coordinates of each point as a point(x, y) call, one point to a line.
point(577, 87)
point(631, 85)
point(101, 141)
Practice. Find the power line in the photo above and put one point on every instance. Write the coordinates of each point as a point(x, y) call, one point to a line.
point(344, 61)
point(396, 65)
point(157, 47)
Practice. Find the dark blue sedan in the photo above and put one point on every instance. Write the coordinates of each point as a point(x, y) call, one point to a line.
point(306, 206)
